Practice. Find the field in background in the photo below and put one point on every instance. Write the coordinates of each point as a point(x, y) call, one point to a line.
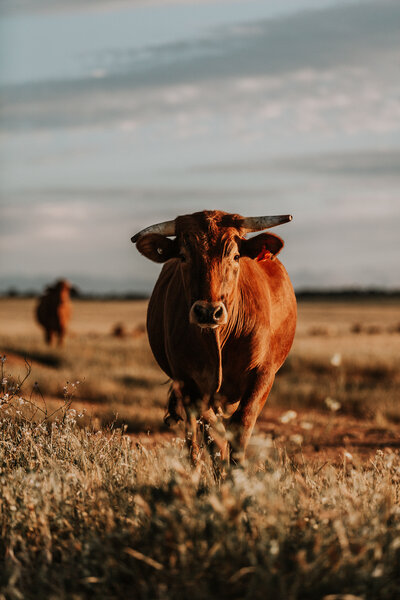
point(92, 512)
point(339, 387)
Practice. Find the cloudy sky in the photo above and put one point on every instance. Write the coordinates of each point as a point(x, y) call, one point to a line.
point(118, 114)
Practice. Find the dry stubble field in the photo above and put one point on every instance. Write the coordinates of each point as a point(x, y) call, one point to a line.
point(87, 511)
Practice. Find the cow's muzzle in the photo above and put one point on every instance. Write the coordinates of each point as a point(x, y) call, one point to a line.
point(208, 314)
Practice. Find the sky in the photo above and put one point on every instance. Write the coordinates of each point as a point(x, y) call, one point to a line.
point(116, 115)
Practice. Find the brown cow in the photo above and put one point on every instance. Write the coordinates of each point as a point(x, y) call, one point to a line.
point(54, 311)
point(221, 319)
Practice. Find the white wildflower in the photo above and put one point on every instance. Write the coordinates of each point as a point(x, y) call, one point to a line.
point(288, 416)
point(332, 404)
point(296, 439)
point(395, 544)
point(274, 548)
point(336, 359)
point(378, 571)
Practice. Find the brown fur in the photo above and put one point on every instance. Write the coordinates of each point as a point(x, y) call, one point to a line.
point(53, 311)
point(230, 370)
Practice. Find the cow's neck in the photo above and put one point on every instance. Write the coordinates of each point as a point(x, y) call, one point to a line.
point(214, 341)
point(240, 321)
point(210, 375)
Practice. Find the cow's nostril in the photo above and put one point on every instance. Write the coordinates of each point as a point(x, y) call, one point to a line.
point(201, 314)
point(218, 313)
point(208, 314)
point(198, 310)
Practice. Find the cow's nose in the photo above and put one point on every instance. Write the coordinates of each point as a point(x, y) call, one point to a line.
point(208, 314)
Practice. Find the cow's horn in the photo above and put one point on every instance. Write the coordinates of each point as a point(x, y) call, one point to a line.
point(165, 228)
point(259, 223)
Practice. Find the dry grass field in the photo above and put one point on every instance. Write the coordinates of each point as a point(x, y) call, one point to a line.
point(87, 511)
point(345, 357)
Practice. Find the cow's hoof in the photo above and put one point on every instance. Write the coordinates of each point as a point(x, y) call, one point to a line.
point(172, 416)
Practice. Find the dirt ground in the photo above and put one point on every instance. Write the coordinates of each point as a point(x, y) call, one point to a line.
point(311, 435)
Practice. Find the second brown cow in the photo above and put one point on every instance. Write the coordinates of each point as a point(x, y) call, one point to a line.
point(54, 311)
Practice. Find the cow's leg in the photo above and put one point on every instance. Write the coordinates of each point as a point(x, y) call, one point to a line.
point(48, 336)
point(174, 400)
point(243, 420)
point(189, 396)
point(215, 438)
point(192, 436)
point(214, 435)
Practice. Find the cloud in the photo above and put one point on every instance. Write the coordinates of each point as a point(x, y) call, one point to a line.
point(370, 164)
point(88, 215)
point(40, 221)
point(382, 164)
point(10, 7)
point(351, 34)
point(315, 70)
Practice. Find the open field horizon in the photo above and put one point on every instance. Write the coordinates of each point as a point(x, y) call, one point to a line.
point(342, 372)
point(89, 509)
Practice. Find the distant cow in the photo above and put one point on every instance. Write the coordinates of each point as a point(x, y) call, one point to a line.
point(54, 311)
point(221, 319)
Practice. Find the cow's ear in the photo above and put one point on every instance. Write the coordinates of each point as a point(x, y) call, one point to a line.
point(261, 246)
point(157, 247)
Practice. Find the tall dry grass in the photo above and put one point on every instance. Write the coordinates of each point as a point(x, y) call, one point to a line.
point(87, 514)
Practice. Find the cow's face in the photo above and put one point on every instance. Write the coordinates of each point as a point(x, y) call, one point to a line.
point(210, 268)
point(62, 289)
point(210, 252)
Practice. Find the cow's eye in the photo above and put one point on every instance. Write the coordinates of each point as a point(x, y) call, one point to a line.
point(236, 257)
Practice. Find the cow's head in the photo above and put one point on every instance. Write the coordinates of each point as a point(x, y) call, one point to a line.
point(210, 246)
point(60, 289)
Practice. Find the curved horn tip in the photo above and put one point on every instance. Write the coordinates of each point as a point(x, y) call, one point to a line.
point(165, 228)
